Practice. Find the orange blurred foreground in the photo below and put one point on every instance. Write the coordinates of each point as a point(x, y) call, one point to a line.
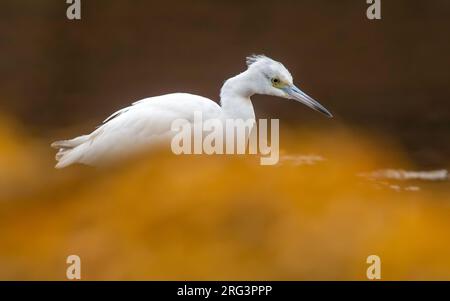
point(166, 217)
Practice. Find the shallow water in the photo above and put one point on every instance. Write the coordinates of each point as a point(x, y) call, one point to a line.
point(399, 174)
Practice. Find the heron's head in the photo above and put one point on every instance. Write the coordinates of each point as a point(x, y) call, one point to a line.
point(272, 78)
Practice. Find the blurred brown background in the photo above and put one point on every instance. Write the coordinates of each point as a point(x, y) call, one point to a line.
point(389, 77)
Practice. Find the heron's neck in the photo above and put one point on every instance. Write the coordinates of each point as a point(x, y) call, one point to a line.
point(235, 97)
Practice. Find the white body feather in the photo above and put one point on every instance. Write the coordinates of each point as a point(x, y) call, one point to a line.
point(145, 123)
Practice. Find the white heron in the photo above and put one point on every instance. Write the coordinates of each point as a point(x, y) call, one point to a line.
point(148, 121)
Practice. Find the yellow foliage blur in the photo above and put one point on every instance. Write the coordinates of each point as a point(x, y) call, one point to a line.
point(167, 217)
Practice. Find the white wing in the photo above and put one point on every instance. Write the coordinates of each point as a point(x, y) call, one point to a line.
point(146, 122)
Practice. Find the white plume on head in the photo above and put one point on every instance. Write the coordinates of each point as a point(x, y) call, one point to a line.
point(269, 67)
point(254, 58)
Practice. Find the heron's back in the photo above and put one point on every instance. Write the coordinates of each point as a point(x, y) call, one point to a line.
point(144, 124)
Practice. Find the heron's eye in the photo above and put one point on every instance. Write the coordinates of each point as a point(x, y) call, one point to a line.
point(275, 81)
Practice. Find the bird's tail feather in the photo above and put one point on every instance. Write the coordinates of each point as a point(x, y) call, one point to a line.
point(70, 143)
point(67, 150)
